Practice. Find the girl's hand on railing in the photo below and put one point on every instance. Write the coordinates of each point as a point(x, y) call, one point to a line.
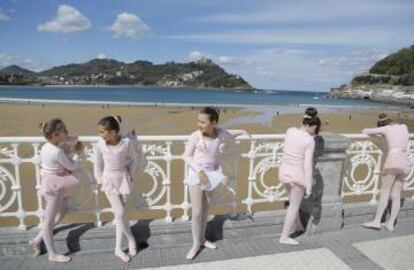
point(247, 134)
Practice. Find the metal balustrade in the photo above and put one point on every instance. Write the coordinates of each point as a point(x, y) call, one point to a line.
point(260, 154)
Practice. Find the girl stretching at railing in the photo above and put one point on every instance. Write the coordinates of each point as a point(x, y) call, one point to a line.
point(396, 168)
point(205, 173)
point(56, 180)
point(116, 164)
point(296, 170)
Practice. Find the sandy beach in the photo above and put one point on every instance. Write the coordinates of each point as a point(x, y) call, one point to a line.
point(23, 119)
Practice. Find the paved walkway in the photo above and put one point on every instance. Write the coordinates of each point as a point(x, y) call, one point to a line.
point(351, 248)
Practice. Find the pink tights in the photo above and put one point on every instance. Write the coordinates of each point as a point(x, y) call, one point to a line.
point(122, 226)
point(391, 186)
point(292, 221)
point(56, 209)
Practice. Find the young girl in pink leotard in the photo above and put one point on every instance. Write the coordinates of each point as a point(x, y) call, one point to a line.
point(296, 170)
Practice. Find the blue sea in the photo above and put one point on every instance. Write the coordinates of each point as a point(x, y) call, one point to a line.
point(153, 95)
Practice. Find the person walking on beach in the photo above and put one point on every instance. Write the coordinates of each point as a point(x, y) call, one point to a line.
point(115, 167)
point(296, 170)
point(56, 179)
point(204, 174)
point(396, 168)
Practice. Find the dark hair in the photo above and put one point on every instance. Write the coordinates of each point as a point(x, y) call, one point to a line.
point(311, 119)
point(52, 126)
point(111, 122)
point(383, 120)
point(212, 112)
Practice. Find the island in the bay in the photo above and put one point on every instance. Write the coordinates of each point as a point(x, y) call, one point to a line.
point(389, 80)
point(108, 72)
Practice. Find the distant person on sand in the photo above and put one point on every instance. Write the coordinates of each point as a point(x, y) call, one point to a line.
point(396, 168)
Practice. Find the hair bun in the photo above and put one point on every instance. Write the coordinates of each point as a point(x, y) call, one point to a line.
point(311, 112)
point(382, 116)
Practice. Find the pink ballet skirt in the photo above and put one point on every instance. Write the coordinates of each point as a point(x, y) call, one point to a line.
point(116, 183)
point(54, 184)
point(397, 162)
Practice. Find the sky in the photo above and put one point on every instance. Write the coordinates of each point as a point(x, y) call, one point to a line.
point(276, 45)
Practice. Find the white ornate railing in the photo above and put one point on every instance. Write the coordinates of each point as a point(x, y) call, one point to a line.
point(363, 152)
point(161, 186)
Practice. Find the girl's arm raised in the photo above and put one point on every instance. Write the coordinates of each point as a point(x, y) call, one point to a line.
point(374, 131)
point(66, 162)
point(238, 132)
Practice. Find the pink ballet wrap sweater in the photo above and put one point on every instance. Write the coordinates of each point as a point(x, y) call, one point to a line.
point(396, 137)
point(55, 170)
point(202, 155)
point(296, 163)
point(115, 166)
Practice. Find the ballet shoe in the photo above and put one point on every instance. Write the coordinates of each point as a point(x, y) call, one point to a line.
point(59, 258)
point(288, 241)
point(371, 225)
point(388, 227)
point(132, 249)
point(192, 253)
point(35, 247)
point(209, 245)
point(122, 256)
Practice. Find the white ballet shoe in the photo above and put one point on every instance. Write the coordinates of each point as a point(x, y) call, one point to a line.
point(192, 253)
point(209, 245)
point(288, 241)
point(372, 225)
point(132, 249)
point(59, 258)
point(122, 256)
point(388, 227)
point(35, 247)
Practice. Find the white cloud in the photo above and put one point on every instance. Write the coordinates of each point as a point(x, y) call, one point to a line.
point(296, 69)
point(67, 20)
point(227, 60)
point(7, 59)
point(196, 56)
point(304, 11)
point(323, 35)
point(101, 56)
point(128, 25)
point(3, 15)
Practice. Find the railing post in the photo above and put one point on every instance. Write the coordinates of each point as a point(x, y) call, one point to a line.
point(36, 163)
point(15, 160)
point(323, 209)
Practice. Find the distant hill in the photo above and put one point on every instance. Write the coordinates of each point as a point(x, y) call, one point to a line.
point(16, 70)
point(399, 63)
point(395, 69)
point(199, 74)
